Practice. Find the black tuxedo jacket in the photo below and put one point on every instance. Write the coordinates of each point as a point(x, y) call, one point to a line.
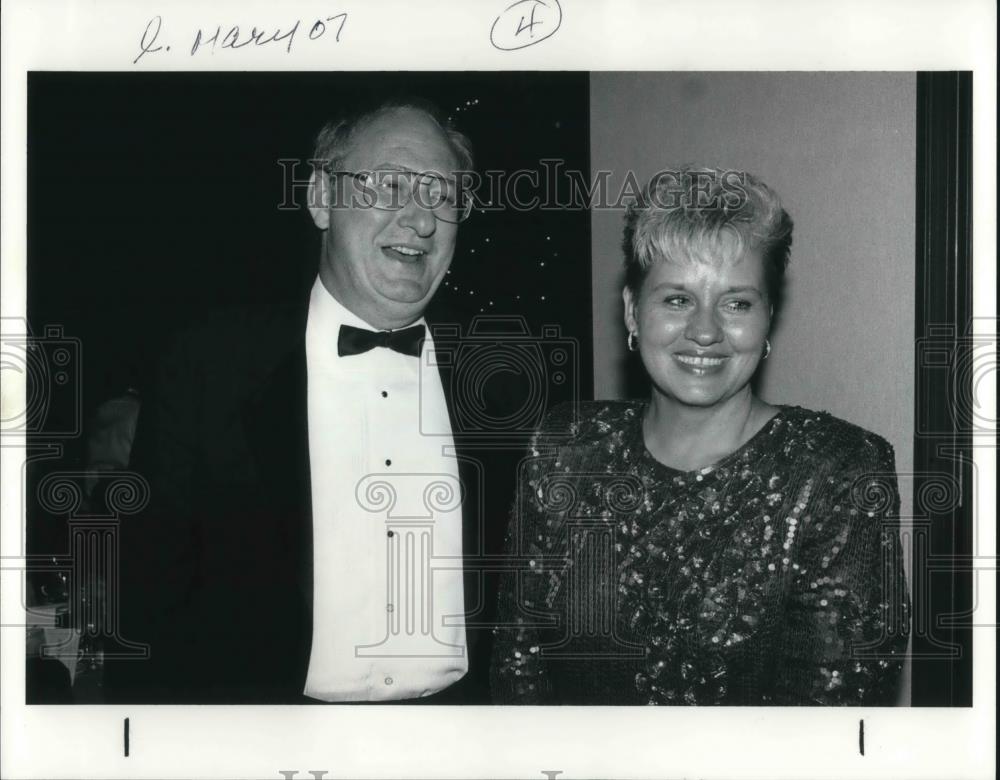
point(216, 574)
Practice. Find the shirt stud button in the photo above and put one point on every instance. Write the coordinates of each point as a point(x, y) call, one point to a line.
point(388, 681)
point(385, 394)
point(390, 534)
point(388, 462)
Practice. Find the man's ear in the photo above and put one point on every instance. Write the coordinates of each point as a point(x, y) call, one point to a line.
point(630, 321)
point(317, 196)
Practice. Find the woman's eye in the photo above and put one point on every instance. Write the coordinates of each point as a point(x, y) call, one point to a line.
point(738, 305)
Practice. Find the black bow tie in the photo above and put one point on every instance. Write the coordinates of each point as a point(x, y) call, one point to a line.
point(354, 341)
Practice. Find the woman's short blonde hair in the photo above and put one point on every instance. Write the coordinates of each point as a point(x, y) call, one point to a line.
point(707, 215)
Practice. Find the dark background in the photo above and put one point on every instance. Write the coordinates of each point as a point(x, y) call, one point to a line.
point(153, 198)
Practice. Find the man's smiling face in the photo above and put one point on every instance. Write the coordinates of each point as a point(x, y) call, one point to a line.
point(384, 265)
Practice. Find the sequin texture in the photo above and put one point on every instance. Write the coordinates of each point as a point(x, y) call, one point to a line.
point(773, 576)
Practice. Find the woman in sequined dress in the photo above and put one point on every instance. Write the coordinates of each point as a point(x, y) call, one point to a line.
point(702, 546)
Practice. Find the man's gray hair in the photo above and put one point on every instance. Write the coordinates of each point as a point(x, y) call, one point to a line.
point(333, 142)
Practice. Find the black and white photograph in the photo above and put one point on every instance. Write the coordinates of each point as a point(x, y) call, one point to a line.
point(492, 389)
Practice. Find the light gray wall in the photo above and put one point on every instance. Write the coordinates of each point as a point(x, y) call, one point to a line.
point(840, 150)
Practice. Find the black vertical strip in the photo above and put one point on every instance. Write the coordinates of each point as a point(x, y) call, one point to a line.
point(126, 737)
point(942, 578)
point(586, 298)
point(861, 736)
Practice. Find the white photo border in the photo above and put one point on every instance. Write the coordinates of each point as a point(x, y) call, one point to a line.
point(251, 741)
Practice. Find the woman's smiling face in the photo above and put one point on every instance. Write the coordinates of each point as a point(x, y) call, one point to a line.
point(701, 326)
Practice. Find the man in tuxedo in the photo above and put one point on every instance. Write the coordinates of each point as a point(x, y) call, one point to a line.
point(309, 510)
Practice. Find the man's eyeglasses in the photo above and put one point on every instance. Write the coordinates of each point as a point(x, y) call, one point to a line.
point(392, 190)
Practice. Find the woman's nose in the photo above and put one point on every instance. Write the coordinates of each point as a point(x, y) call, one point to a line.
point(703, 328)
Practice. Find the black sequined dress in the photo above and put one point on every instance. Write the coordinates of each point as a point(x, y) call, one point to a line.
point(772, 577)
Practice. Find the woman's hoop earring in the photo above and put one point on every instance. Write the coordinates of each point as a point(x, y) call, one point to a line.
point(767, 349)
point(633, 341)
